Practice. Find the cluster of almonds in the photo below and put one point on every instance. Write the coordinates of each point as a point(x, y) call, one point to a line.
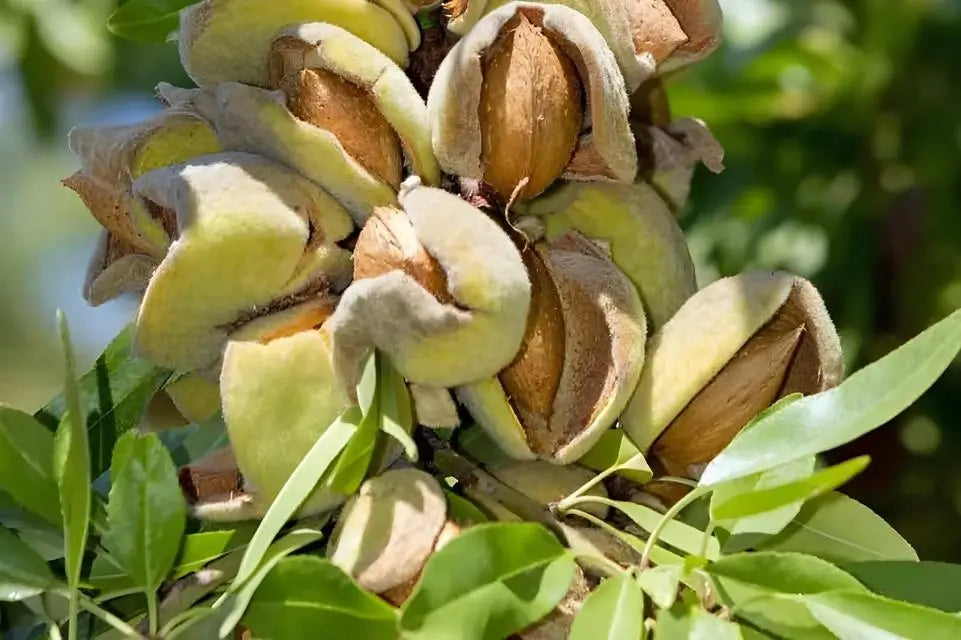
point(507, 241)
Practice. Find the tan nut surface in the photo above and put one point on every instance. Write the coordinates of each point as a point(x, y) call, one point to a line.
point(500, 79)
point(328, 101)
point(386, 532)
point(580, 359)
point(530, 110)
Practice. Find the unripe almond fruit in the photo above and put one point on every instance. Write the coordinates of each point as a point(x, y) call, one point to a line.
point(732, 350)
point(329, 101)
point(532, 93)
point(439, 287)
point(531, 110)
point(579, 361)
point(389, 528)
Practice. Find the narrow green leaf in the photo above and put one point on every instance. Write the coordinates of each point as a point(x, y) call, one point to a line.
point(367, 385)
point(615, 453)
point(396, 415)
point(300, 485)
point(20, 566)
point(26, 464)
point(147, 20)
point(463, 511)
point(304, 594)
point(114, 395)
point(613, 611)
point(660, 583)
point(930, 584)
point(773, 521)
point(204, 624)
point(71, 465)
point(675, 533)
point(824, 421)
point(351, 466)
point(146, 513)
point(784, 572)
point(857, 615)
point(769, 499)
point(839, 529)
point(487, 583)
point(200, 549)
point(233, 604)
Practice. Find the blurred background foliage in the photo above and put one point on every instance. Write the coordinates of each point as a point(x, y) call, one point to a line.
point(842, 127)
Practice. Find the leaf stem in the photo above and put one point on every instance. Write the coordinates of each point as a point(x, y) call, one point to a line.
point(152, 615)
point(687, 482)
point(112, 595)
point(608, 565)
point(670, 515)
point(74, 610)
point(569, 501)
point(708, 531)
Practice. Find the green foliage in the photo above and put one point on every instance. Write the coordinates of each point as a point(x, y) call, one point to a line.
point(22, 571)
point(113, 396)
point(301, 483)
point(200, 549)
point(675, 533)
point(661, 584)
point(615, 453)
point(145, 514)
point(916, 582)
point(26, 464)
point(463, 511)
point(774, 520)
point(614, 610)
point(864, 615)
point(233, 603)
point(147, 20)
point(783, 572)
point(383, 411)
point(694, 623)
point(489, 582)
point(71, 468)
point(304, 594)
point(774, 577)
point(839, 119)
point(765, 500)
point(840, 529)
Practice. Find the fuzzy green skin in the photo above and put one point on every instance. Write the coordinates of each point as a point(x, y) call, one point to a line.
point(643, 235)
point(278, 399)
point(228, 40)
point(431, 343)
point(695, 345)
point(243, 224)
